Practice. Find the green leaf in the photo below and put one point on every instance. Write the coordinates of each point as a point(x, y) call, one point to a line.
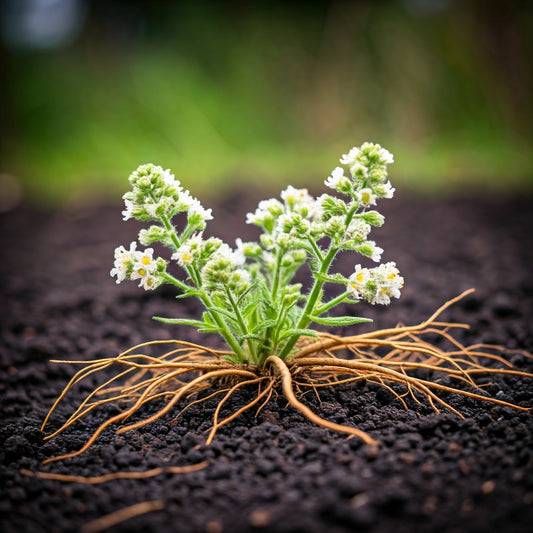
point(338, 320)
point(250, 336)
point(222, 311)
point(266, 324)
point(336, 278)
point(300, 332)
point(188, 293)
point(182, 321)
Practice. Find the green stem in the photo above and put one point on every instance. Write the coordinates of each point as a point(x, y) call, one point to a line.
point(315, 249)
point(311, 302)
point(172, 231)
point(277, 272)
point(225, 331)
point(241, 322)
point(331, 303)
point(171, 279)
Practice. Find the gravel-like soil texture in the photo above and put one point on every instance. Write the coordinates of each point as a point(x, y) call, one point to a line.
point(277, 472)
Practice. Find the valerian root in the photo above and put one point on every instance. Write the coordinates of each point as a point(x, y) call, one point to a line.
point(387, 357)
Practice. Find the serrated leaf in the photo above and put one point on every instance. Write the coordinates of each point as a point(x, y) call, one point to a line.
point(338, 320)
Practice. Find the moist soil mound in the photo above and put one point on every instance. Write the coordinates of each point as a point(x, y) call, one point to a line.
point(276, 472)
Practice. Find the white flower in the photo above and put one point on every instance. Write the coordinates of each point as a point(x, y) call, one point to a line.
point(266, 213)
point(150, 208)
point(183, 255)
point(387, 190)
point(197, 212)
point(123, 261)
point(144, 264)
point(376, 251)
point(185, 200)
point(298, 200)
point(337, 177)
point(128, 212)
point(225, 252)
point(189, 250)
point(388, 283)
point(169, 178)
point(366, 197)
point(358, 280)
point(386, 156)
point(348, 159)
point(273, 206)
point(358, 230)
point(150, 282)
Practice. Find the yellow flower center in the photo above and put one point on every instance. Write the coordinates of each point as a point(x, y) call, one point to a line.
point(142, 272)
point(392, 275)
point(365, 197)
point(145, 260)
point(360, 277)
point(186, 257)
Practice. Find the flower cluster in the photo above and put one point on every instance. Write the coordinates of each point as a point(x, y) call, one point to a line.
point(376, 285)
point(157, 194)
point(135, 264)
point(248, 291)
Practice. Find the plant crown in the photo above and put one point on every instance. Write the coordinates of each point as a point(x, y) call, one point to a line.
point(248, 292)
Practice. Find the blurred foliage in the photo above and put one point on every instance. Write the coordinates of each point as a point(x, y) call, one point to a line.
point(265, 94)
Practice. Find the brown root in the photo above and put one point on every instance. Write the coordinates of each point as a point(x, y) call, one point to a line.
point(385, 357)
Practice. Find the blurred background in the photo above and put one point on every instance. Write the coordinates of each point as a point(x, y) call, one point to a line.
point(262, 94)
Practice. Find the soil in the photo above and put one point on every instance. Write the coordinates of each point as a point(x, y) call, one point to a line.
point(276, 472)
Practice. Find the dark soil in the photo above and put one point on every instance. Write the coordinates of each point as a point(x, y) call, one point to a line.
point(277, 472)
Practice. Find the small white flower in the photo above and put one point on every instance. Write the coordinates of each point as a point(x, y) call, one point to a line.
point(358, 230)
point(366, 196)
point(150, 282)
point(336, 178)
point(358, 280)
point(183, 255)
point(123, 261)
point(144, 264)
point(386, 156)
point(185, 200)
point(128, 212)
point(169, 178)
point(196, 211)
point(273, 206)
point(376, 251)
point(225, 252)
point(298, 200)
point(150, 208)
point(349, 158)
point(387, 281)
point(388, 190)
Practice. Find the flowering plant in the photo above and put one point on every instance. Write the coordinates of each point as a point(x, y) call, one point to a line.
point(248, 292)
point(251, 299)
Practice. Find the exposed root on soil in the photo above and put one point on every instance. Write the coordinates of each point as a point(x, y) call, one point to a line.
point(392, 358)
point(120, 516)
point(96, 480)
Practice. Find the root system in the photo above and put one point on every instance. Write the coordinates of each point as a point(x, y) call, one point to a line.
point(392, 358)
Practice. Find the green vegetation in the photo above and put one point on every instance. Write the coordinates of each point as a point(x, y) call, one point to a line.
point(271, 94)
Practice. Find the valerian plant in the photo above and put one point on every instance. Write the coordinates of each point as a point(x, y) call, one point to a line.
point(250, 299)
point(248, 292)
